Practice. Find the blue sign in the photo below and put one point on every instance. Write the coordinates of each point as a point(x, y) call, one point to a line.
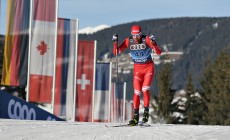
point(12, 107)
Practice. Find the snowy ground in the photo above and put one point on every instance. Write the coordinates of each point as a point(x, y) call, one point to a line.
point(47, 130)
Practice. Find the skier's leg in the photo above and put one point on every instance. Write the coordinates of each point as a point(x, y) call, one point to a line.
point(146, 85)
point(146, 89)
point(137, 82)
point(146, 104)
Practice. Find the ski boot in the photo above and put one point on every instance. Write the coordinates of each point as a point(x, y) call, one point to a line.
point(135, 119)
point(145, 115)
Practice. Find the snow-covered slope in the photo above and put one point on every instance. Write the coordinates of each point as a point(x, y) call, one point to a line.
point(91, 30)
point(48, 130)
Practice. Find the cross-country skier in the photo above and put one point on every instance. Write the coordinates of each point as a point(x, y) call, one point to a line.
point(140, 47)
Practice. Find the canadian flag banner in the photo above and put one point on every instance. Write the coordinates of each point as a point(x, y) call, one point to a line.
point(85, 80)
point(42, 50)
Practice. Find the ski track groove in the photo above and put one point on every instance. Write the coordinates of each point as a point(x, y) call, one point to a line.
point(37, 130)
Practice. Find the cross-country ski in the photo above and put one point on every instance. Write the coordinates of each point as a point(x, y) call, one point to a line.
point(140, 124)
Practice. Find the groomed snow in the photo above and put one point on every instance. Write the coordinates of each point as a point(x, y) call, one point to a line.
point(48, 130)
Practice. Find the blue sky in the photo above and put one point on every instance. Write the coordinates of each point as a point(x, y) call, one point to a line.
point(92, 13)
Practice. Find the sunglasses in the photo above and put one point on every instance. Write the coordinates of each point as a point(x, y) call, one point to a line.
point(136, 35)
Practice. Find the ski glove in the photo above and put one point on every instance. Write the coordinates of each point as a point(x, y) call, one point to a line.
point(115, 38)
point(152, 37)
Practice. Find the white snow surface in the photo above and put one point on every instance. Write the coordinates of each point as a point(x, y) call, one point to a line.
point(53, 130)
point(91, 30)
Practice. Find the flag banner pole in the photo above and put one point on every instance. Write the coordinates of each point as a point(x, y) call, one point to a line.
point(124, 100)
point(29, 52)
point(55, 53)
point(75, 73)
point(94, 74)
point(109, 103)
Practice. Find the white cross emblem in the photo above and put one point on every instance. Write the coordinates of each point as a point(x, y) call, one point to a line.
point(83, 81)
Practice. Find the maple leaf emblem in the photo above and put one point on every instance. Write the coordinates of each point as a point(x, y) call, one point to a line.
point(42, 48)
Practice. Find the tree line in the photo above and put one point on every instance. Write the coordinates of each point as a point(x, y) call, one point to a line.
point(209, 105)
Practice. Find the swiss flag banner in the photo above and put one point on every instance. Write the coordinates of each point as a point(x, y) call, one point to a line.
point(85, 80)
point(42, 50)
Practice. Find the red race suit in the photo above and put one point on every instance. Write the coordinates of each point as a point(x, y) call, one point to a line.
point(143, 65)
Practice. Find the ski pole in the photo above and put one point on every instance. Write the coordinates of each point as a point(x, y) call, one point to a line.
point(155, 76)
point(115, 43)
point(118, 86)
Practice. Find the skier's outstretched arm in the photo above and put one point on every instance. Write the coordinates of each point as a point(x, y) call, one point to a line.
point(150, 40)
point(118, 49)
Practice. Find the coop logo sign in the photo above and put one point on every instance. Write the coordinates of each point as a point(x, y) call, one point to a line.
point(18, 111)
point(137, 47)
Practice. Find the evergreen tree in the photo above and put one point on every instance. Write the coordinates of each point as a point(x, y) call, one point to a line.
point(178, 109)
point(194, 104)
point(216, 89)
point(165, 94)
point(189, 89)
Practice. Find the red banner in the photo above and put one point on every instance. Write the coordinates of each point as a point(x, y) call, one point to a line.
point(85, 73)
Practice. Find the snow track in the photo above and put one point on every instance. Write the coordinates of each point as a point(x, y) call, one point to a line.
point(48, 130)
